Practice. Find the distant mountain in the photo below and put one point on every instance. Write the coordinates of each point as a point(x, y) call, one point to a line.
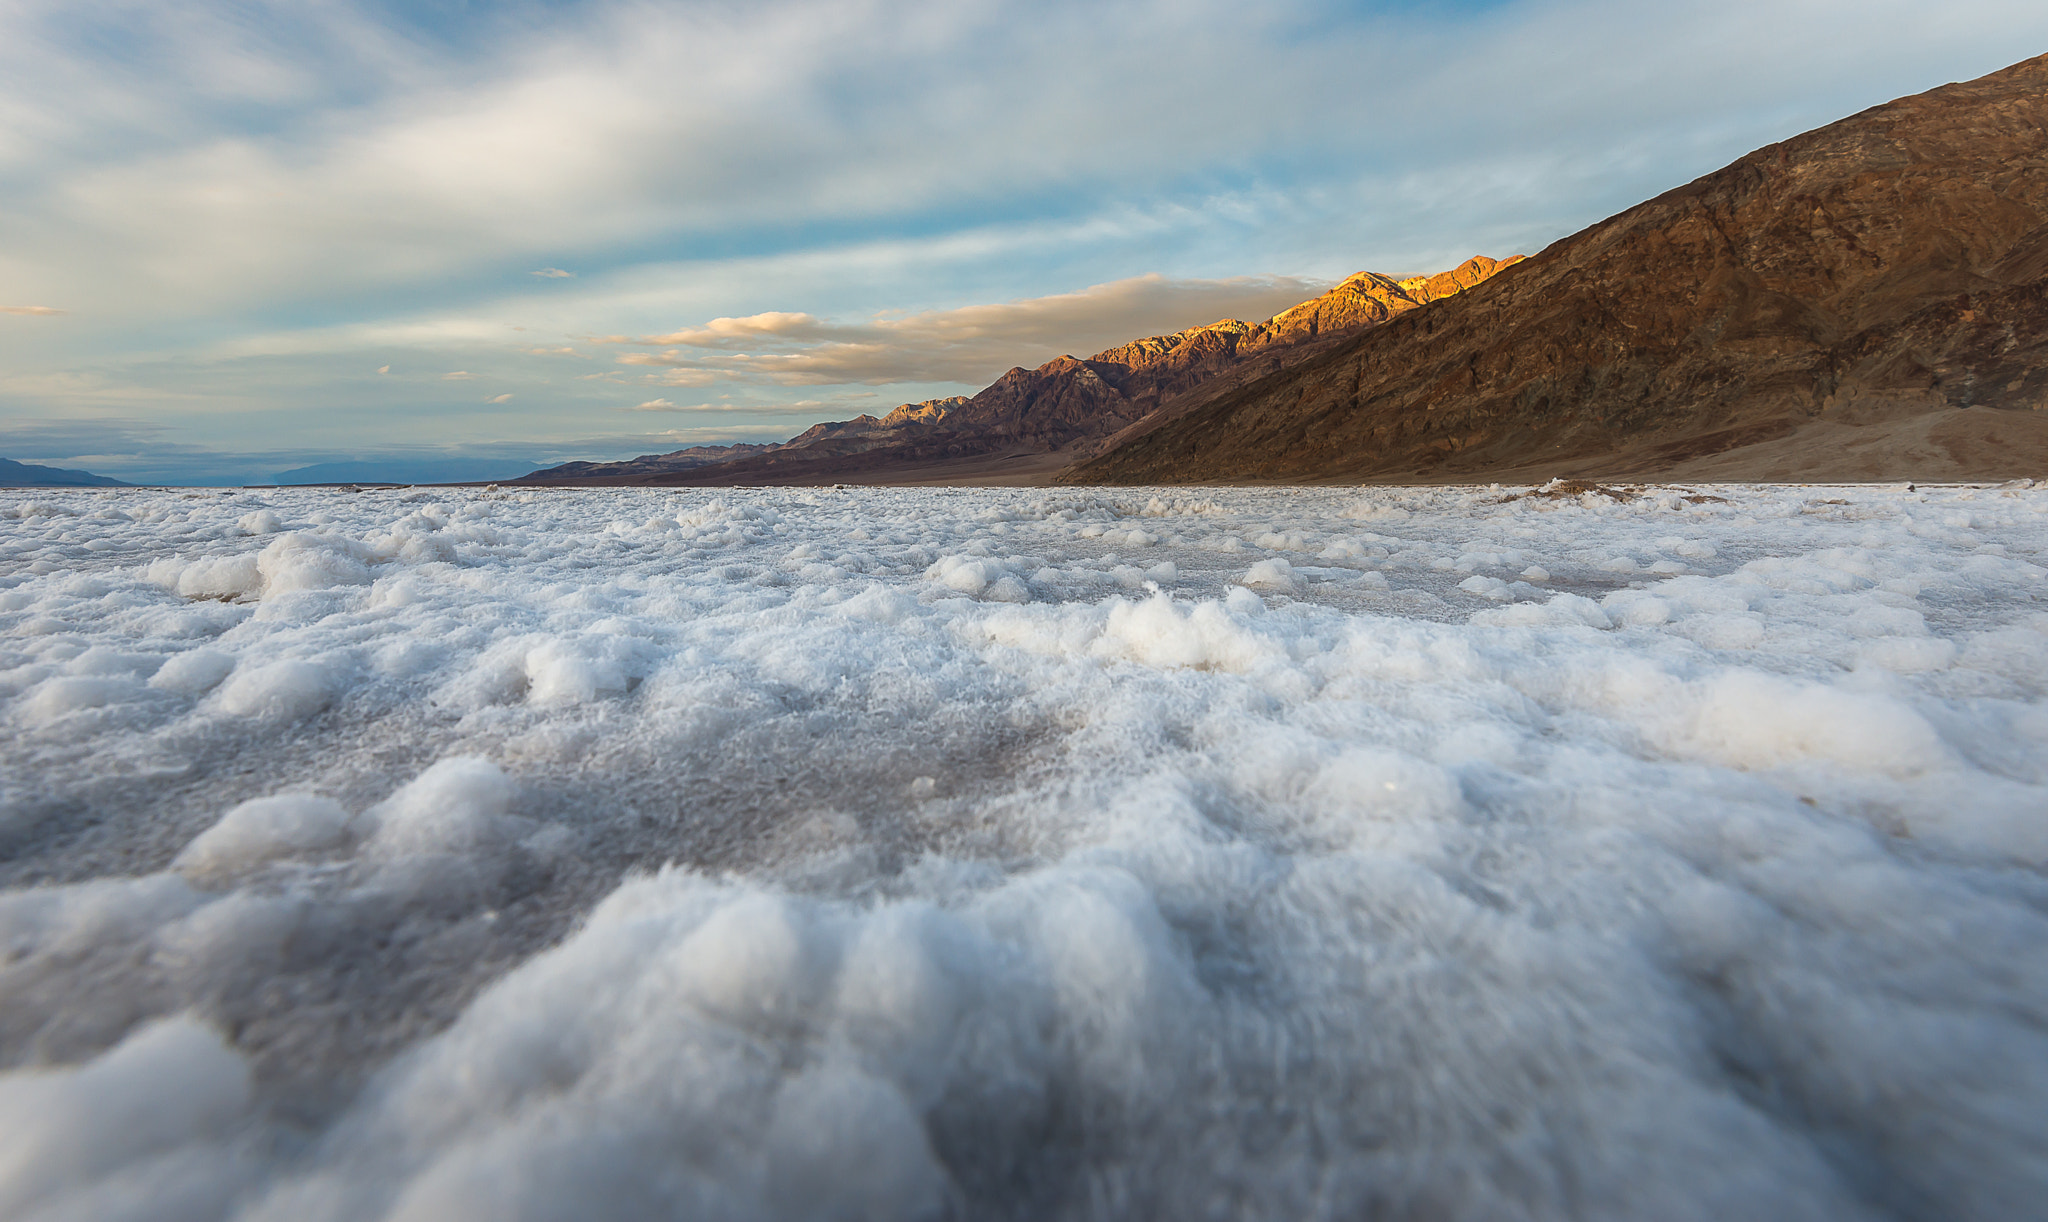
point(29, 475)
point(1036, 421)
point(647, 464)
point(833, 439)
point(407, 471)
point(1086, 406)
point(1868, 300)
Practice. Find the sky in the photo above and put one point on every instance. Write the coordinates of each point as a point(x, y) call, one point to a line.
point(240, 239)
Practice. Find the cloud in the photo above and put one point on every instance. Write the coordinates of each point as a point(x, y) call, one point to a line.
point(554, 352)
point(230, 169)
point(719, 434)
point(37, 311)
point(682, 377)
point(383, 369)
point(554, 273)
point(386, 159)
point(969, 344)
point(140, 451)
point(69, 438)
point(499, 399)
point(806, 407)
point(92, 391)
point(732, 332)
point(460, 375)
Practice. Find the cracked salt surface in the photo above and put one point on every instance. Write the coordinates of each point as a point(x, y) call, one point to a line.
point(1331, 853)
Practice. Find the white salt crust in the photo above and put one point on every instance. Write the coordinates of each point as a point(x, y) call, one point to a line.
point(1334, 853)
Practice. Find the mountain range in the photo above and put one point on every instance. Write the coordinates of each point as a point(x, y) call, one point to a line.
point(33, 475)
point(1865, 301)
point(1868, 300)
point(1034, 422)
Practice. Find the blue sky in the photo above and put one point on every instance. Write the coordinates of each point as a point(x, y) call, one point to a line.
point(238, 238)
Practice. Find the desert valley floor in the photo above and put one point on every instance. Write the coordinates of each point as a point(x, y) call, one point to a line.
point(1023, 853)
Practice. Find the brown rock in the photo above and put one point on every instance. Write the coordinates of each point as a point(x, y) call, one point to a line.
point(931, 411)
point(1858, 277)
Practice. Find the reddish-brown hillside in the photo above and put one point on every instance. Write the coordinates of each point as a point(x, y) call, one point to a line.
point(1864, 301)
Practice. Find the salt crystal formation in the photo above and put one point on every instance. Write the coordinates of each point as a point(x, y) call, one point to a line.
point(1336, 853)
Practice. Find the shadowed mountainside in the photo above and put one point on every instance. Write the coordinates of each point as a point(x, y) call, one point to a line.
point(1867, 300)
point(1040, 420)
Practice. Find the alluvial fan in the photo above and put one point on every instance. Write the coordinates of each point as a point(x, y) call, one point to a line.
point(1340, 853)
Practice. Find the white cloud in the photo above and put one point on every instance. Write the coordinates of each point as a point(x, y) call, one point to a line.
point(554, 273)
point(683, 377)
point(802, 408)
point(460, 375)
point(388, 161)
point(36, 311)
point(227, 168)
point(499, 399)
point(731, 332)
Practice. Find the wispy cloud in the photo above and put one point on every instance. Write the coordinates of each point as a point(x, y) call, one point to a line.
point(733, 332)
point(715, 434)
point(806, 407)
point(680, 377)
point(459, 375)
point(499, 399)
point(69, 438)
point(34, 311)
point(231, 169)
point(387, 161)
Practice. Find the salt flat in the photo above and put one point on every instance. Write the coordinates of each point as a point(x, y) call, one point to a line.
point(798, 853)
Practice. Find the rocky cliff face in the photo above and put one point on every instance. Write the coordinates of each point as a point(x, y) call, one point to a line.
point(1369, 298)
point(1068, 402)
point(1882, 277)
point(931, 411)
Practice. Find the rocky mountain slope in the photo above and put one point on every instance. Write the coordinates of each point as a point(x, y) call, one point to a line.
point(1867, 300)
point(1069, 403)
point(1066, 409)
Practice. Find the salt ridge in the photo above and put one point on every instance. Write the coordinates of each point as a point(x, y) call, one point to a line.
point(892, 853)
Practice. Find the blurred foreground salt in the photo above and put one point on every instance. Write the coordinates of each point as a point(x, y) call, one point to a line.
point(1334, 853)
